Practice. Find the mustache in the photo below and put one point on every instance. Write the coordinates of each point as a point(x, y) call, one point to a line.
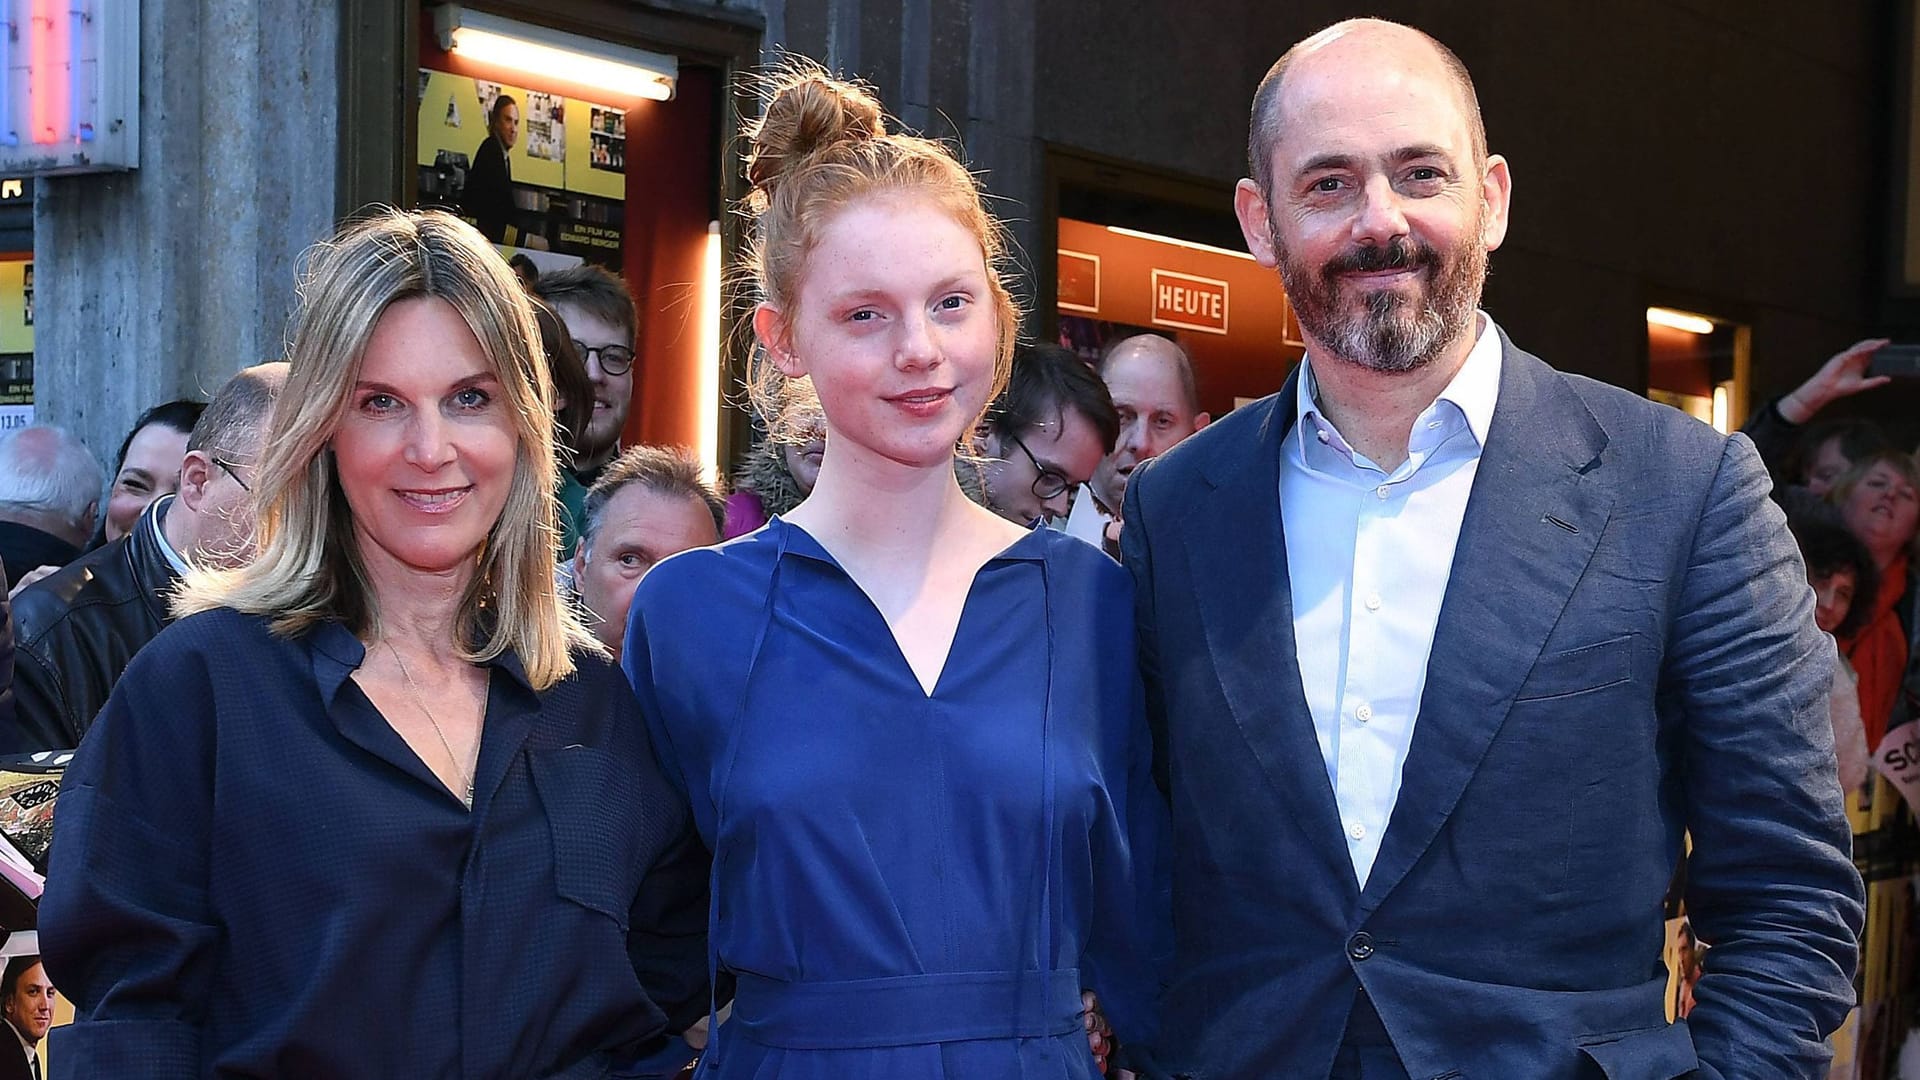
point(1400, 253)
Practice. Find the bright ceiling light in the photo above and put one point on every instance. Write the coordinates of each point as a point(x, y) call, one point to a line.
point(1680, 320)
point(555, 54)
point(1177, 242)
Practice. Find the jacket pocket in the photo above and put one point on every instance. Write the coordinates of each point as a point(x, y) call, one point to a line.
point(590, 810)
point(1581, 670)
point(1660, 1053)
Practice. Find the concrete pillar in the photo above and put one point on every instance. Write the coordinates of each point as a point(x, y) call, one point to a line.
point(161, 282)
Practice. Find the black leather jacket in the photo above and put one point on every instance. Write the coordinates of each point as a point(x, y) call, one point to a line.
point(76, 630)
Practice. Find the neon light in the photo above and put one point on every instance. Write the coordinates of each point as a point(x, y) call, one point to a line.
point(555, 63)
point(1177, 242)
point(711, 358)
point(76, 36)
point(8, 30)
point(48, 78)
point(1680, 320)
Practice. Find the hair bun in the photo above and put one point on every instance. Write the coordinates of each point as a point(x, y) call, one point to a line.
point(809, 112)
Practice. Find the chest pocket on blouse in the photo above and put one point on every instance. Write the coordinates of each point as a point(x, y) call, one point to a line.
point(592, 811)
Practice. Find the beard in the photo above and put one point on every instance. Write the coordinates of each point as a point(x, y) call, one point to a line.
point(1388, 330)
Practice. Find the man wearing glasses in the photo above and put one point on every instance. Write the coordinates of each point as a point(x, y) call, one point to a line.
point(77, 630)
point(1045, 434)
point(599, 314)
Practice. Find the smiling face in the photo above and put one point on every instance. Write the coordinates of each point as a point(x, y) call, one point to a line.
point(30, 1008)
point(152, 469)
point(894, 321)
point(612, 393)
point(426, 451)
point(1379, 216)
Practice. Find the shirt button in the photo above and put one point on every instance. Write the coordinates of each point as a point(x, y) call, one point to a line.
point(1432, 425)
point(1363, 714)
point(1373, 602)
point(1382, 490)
point(1360, 945)
point(1357, 831)
point(1324, 437)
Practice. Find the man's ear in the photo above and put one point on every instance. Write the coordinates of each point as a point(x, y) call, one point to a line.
point(1201, 419)
point(196, 472)
point(1250, 206)
point(579, 565)
point(770, 326)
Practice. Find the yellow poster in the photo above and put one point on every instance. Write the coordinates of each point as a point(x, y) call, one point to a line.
point(562, 143)
point(16, 305)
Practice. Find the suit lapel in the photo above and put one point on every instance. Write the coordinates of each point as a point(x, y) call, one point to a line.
point(1236, 552)
point(1532, 522)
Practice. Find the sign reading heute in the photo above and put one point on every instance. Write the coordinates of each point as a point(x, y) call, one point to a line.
point(1187, 302)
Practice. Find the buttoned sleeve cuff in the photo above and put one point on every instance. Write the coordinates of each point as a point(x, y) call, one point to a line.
point(152, 1049)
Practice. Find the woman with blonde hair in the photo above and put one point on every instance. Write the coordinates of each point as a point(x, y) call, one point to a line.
point(911, 731)
point(377, 805)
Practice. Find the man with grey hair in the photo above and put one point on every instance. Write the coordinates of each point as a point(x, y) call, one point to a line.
point(76, 631)
point(49, 498)
point(1474, 647)
point(649, 503)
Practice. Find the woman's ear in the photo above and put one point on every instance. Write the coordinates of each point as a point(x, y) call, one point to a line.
point(770, 326)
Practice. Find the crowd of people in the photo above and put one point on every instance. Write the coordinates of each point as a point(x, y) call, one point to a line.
point(972, 729)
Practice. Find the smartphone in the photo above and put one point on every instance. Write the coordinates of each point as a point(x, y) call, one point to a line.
point(1899, 361)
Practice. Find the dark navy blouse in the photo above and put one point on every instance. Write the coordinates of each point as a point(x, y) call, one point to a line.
point(253, 875)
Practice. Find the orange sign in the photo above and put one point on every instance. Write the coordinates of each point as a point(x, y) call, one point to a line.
point(1186, 302)
point(1079, 282)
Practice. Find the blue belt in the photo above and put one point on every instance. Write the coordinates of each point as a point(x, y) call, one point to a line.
point(906, 1010)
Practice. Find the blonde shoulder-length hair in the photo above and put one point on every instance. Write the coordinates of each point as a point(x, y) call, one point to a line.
point(309, 569)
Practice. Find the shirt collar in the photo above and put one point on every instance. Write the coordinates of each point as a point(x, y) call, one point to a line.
point(155, 516)
point(1473, 390)
point(338, 653)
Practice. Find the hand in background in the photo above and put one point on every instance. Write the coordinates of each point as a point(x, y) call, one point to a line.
point(1843, 375)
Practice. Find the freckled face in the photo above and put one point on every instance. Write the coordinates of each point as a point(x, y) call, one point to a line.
point(426, 451)
point(895, 323)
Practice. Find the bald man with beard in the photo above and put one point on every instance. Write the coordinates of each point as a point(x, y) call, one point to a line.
point(1447, 652)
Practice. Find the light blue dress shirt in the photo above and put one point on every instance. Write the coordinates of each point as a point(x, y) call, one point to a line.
point(1369, 555)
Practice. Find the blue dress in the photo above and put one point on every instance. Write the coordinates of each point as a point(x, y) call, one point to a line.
point(910, 885)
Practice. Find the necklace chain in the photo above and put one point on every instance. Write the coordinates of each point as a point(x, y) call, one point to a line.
point(421, 702)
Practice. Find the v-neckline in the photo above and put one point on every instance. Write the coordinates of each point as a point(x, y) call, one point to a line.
point(927, 693)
